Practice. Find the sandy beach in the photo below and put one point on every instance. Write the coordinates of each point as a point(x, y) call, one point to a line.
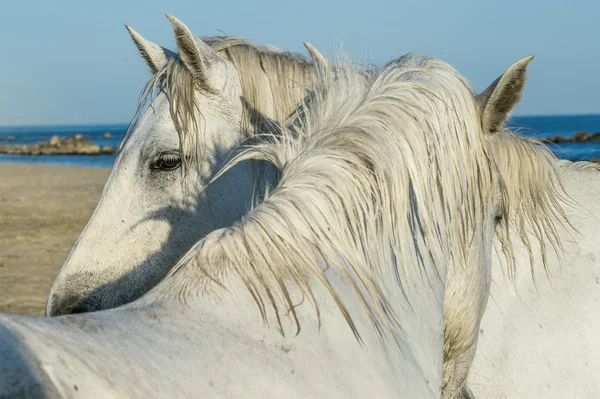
point(42, 211)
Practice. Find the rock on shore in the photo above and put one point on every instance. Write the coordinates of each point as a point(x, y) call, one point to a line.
point(579, 137)
point(76, 145)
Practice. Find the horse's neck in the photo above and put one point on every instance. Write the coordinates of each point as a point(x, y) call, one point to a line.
point(582, 209)
point(583, 186)
point(417, 337)
point(583, 213)
point(577, 238)
point(188, 348)
point(552, 321)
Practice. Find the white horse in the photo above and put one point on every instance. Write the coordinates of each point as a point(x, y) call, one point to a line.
point(379, 229)
point(541, 339)
point(108, 269)
point(150, 213)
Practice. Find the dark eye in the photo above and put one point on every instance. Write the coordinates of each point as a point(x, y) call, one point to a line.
point(167, 161)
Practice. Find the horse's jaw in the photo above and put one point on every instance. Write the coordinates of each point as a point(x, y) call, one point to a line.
point(112, 263)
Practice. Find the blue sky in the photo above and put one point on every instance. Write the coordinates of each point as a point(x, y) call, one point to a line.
point(73, 62)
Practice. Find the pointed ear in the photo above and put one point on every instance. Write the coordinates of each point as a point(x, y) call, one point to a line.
point(501, 97)
point(155, 56)
point(317, 58)
point(195, 54)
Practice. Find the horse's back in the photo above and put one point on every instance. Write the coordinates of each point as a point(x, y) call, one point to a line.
point(152, 352)
point(21, 376)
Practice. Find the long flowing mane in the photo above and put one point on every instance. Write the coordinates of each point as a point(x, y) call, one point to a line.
point(383, 178)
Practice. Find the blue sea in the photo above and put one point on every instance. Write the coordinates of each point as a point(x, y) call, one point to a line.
point(34, 134)
point(537, 126)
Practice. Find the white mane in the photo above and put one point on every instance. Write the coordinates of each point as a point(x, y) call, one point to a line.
point(532, 196)
point(382, 177)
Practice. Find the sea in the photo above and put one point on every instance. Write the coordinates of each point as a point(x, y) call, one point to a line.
point(535, 126)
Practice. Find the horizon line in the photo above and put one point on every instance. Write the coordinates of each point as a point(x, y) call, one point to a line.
point(69, 124)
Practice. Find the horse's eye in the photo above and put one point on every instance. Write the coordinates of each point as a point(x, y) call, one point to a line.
point(167, 161)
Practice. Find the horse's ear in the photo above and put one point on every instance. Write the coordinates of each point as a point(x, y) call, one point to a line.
point(320, 62)
point(196, 55)
point(501, 97)
point(155, 56)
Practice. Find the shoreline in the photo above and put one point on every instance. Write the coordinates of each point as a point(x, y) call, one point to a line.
point(48, 164)
point(76, 161)
point(43, 209)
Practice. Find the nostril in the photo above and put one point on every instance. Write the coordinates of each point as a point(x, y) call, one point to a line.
point(58, 305)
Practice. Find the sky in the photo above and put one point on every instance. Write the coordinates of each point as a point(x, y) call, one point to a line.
point(72, 62)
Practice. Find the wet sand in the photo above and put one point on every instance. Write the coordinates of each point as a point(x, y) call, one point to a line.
point(42, 211)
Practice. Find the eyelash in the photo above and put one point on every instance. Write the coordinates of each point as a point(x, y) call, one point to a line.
point(167, 162)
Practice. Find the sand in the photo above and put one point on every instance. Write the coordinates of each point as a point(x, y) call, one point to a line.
point(42, 211)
